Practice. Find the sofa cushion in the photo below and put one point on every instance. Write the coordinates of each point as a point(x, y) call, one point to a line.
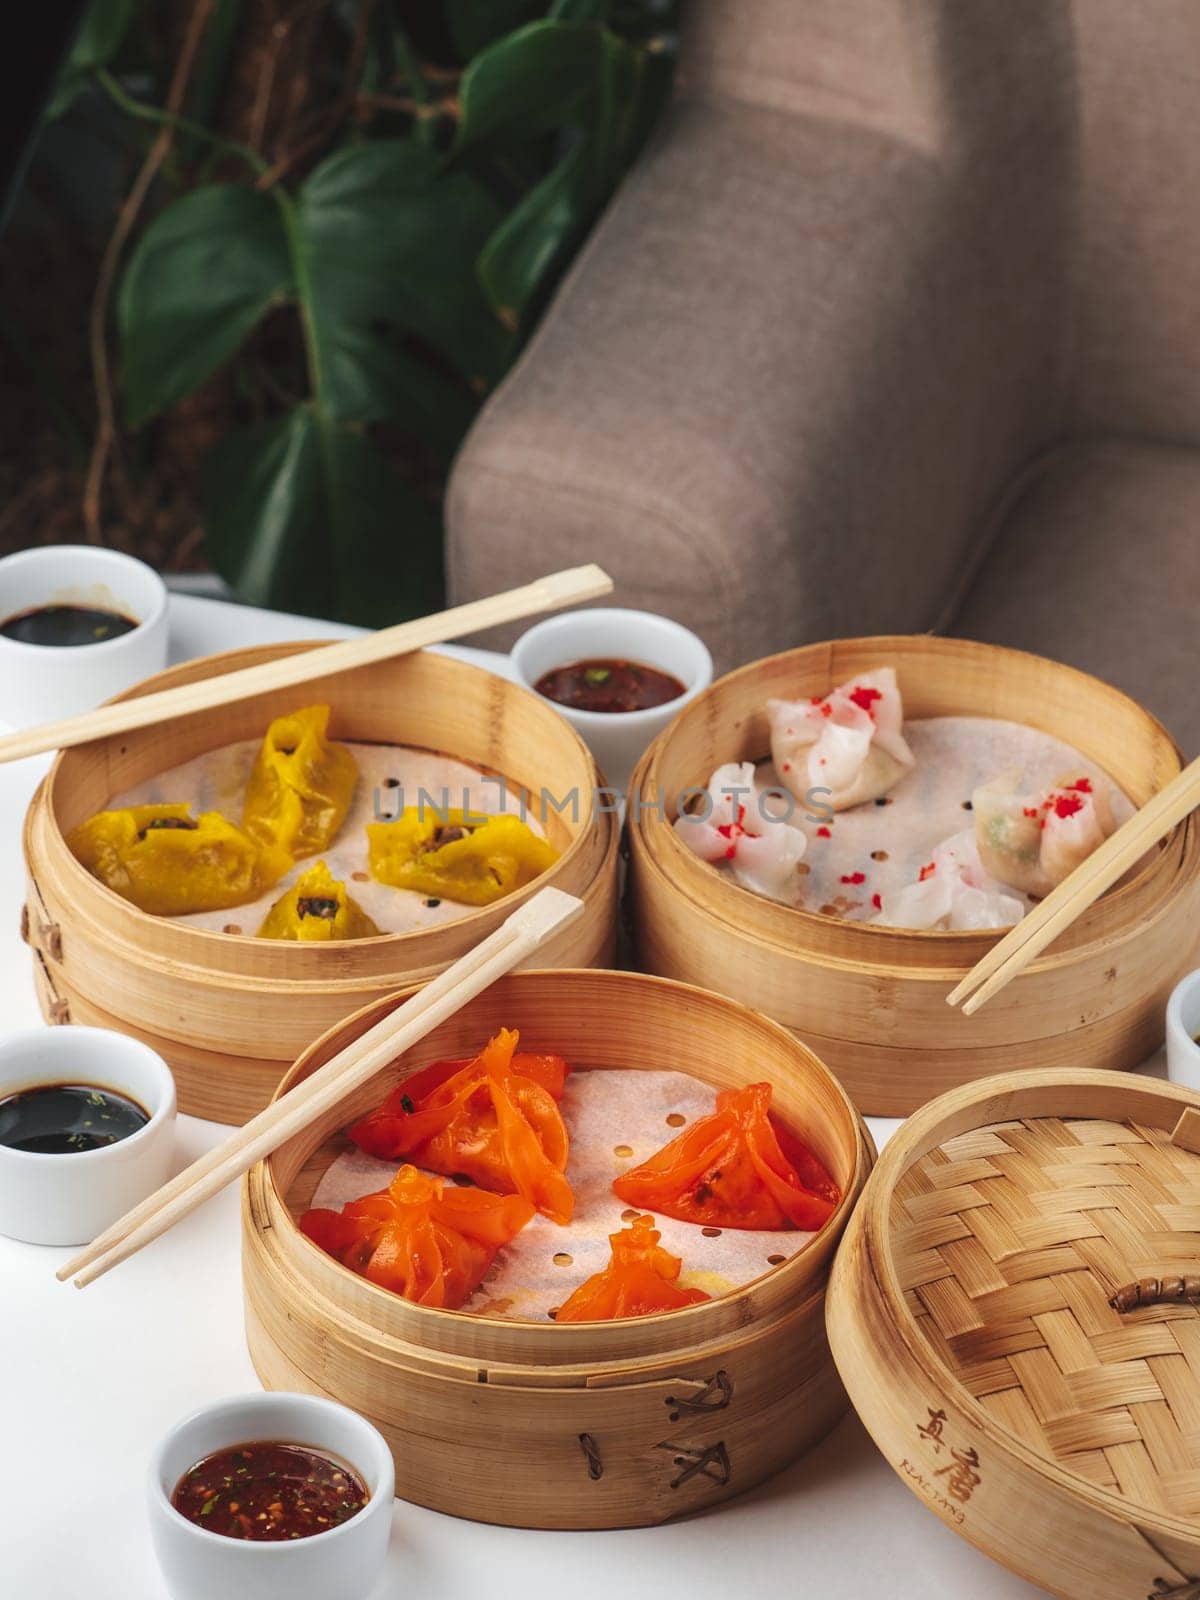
point(868, 61)
point(1126, 77)
point(1098, 564)
point(789, 366)
point(1136, 78)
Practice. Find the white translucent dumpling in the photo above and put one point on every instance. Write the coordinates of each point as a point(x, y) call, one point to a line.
point(731, 827)
point(1033, 841)
point(849, 746)
point(953, 890)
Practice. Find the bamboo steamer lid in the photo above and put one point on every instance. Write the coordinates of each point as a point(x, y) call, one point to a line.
point(871, 999)
point(584, 1425)
point(969, 1314)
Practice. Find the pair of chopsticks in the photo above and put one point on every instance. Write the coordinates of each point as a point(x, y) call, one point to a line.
point(510, 944)
point(1078, 890)
point(514, 940)
point(551, 593)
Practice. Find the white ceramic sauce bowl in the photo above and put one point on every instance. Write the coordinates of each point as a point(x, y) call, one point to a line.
point(69, 1199)
point(1183, 1024)
point(342, 1564)
point(616, 739)
point(40, 683)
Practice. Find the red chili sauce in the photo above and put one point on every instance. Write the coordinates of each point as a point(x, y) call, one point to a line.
point(609, 685)
point(268, 1490)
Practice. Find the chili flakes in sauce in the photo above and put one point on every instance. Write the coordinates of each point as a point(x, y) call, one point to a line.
point(268, 1490)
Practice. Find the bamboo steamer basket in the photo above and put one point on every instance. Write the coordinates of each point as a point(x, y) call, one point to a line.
point(231, 1013)
point(588, 1425)
point(969, 1315)
point(871, 1000)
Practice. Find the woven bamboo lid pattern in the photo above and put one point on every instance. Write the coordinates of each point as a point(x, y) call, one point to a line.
point(972, 1317)
point(1010, 1241)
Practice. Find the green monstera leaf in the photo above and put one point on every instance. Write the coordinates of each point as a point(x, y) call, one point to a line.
point(204, 273)
point(385, 237)
point(413, 272)
point(378, 245)
point(377, 238)
point(379, 379)
point(574, 79)
point(302, 513)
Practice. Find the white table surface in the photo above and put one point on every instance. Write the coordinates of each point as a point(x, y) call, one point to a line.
point(88, 1382)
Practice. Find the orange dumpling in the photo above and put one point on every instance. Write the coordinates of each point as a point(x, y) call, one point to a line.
point(550, 1071)
point(638, 1280)
point(730, 1170)
point(494, 1119)
point(428, 1243)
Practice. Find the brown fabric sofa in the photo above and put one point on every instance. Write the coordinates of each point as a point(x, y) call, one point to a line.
point(895, 326)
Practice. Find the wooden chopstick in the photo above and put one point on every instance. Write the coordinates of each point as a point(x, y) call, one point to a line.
point(551, 593)
point(1079, 889)
point(511, 943)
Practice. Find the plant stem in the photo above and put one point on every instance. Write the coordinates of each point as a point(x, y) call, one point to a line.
point(410, 67)
point(169, 119)
point(303, 284)
point(106, 421)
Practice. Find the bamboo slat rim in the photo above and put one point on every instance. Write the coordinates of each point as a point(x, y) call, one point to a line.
point(525, 1475)
point(613, 1337)
point(812, 929)
point(82, 885)
point(975, 1105)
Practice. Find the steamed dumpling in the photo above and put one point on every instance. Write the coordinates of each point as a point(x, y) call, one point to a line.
point(1033, 842)
point(165, 861)
point(299, 789)
point(953, 890)
point(455, 855)
point(849, 744)
point(317, 910)
point(761, 852)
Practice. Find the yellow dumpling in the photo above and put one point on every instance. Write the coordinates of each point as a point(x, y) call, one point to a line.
point(317, 908)
point(457, 856)
point(168, 862)
point(299, 788)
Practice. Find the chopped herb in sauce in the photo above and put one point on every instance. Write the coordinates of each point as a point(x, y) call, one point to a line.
point(269, 1490)
point(65, 1118)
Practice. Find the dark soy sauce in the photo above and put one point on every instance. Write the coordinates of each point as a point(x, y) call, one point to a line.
point(66, 625)
point(55, 1119)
